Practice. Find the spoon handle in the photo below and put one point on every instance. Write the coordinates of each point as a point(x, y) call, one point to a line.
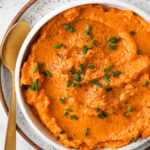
point(10, 142)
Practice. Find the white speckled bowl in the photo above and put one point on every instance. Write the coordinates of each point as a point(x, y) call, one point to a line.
point(34, 122)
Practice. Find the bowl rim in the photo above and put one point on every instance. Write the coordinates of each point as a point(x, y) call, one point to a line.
point(35, 29)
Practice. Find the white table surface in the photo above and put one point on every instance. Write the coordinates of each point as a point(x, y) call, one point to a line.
point(8, 9)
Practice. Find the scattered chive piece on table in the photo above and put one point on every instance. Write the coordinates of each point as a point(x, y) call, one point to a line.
point(91, 66)
point(134, 139)
point(114, 40)
point(82, 68)
point(74, 85)
point(126, 102)
point(39, 66)
point(68, 83)
point(102, 115)
point(130, 109)
point(62, 132)
point(97, 109)
point(62, 100)
point(93, 81)
point(66, 113)
point(71, 72)
point(139, 52)
point(58, 138)
point(146, 83)
point(99, 85)
point(70, 28)
point(109, 68)
point(127, 116)
point(113, 47)
point(75, 117)
point(132, 32)
point(34, 87)
point(47, 73)
point(77, 78)
point(69, 138)
point(86, 132)
point(116, 73)
point(108, 89)
point(70, 110)
point(58, 46)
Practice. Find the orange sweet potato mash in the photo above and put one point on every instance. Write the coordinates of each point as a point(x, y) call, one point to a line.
point(87, 77)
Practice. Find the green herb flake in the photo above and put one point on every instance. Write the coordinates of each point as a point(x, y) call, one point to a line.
point(107, 80)
point(127, 116)
point(62, 132)
point(112, 47)
point(99, 85)
point(74, 85)
point(90, 47)
point(116, 73)
point(134, 139)
point(79, 85)
point(71, 72)
point(88, 29)
point(82, 68)
point(93, 42)
point(130, 109)
point(91, 66)
point(62, 100)
point(146, 83)
point(108, 89)
point(109, 68)
point(75, 117)
point(113, 40)
point(97, 109)
point(69, 110)
point(68, 83)
point(71, 117)
point(66, 113)
point(69, 138)
point(57, 137)
point(39, 66)
point(35, 69)
point(86, 132)
point(34, 87)
point(84, 50)
point(47, 73)
point(89, 36)
point(77, 78)
point(93, 81)
point(70, 28)
point(132, 32)
point(139, 52)
point(58, 46)
point(107, 76)
point(102, 115)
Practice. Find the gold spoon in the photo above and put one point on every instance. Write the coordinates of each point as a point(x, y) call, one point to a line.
point(10, 49)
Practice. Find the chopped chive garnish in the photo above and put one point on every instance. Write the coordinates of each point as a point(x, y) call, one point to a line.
point(39, 66)
point(134, 139)
point(108, 89)
point(109, 68)
point(132, 32)
point(91, 66)
point(71, 117)
point(74, 85)
point(112, 47)
point(82, 68)
point(99, 85)
point(70, 28)
point(75, 117)
point(62, 100)
point(88, 29)
point(107, 80)
point(93, 42)
point(77, 78)
point(113, 40)
point(90, 47)
point(126, 102)
point(68, 83)
point(89, 36)
point(57, 137)
point(84, 50)
point(69, 138)
point(93, 81)
point(139, 52)
point(71, 72)
point(86, 132)
point(70, 110)
point(34, 87)
point(79, 85)
point(102, 115)
point(66, 113)
point(127, 116)
point(47, 73)
point(62, 132)
point(97, 109)
point(107, 76)
point(58, 46)
point(116, 73)
point(130, 109)
point(146, 83)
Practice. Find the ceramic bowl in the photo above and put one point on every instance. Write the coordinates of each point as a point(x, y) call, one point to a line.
point(32, 120)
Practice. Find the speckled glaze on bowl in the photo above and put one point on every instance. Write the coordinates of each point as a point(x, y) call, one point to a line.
point(34, 122)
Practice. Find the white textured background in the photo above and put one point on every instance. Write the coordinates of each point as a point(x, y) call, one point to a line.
point(8, 9)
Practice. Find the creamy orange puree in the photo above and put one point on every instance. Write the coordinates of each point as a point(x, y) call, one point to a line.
point(94, 94)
